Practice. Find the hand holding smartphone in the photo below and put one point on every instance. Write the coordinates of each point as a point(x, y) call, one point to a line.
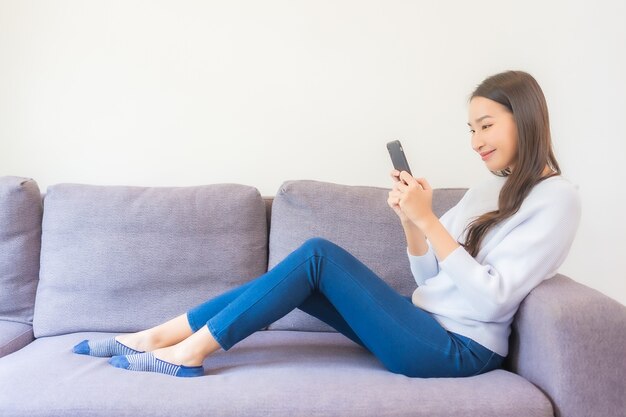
point(398, 159)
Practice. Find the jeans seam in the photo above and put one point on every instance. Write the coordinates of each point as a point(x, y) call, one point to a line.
point(384, 311)
point(485, 365)
point(215, 336)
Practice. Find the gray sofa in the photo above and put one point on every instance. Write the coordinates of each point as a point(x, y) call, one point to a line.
point(86, 261)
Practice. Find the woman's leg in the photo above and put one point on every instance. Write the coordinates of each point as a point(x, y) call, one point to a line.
point(183, 326)
point(160, 336)
point(403, 337)
point(317, 305)
point(191, 350)
point(180, 327)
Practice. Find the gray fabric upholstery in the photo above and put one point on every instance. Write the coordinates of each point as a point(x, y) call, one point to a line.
point(20, 243)
point(271, 373)
point(356, 218)
point(14, 336)
point(121, 258)
point(570, 341)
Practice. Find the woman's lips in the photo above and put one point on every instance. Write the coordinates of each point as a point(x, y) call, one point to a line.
point(487, 155)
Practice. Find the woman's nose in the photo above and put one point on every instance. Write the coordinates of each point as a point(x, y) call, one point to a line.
point(477, 142)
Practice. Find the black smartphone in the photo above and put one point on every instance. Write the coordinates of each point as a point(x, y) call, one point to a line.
point(397, 156)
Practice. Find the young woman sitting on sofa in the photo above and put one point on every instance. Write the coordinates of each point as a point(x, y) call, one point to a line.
point(513, 231)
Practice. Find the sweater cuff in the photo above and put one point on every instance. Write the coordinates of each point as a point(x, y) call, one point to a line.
point(423, 266)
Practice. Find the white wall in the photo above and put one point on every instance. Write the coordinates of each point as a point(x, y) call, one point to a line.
point(193, 92)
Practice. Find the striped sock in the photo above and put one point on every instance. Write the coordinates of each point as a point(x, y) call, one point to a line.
point(103, 348)
point(149, 363)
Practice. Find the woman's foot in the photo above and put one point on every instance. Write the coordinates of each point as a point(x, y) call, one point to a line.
point(178, 355)
point(163, 335)
point(126, 344)
point(103, 348)
point(170, 361)
point(147, 362)
point(182, 359)
point(143, 341)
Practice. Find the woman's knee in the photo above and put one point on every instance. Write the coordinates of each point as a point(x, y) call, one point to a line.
point(318, 243)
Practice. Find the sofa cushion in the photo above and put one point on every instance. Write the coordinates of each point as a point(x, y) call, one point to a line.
point(20, 243)
point(356, 218)
point(270, 373)
point(14, 336)
point(122, 258)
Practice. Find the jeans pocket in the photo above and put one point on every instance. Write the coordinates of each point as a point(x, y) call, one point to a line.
point(494, 362)
point(462, 342)
point(482, 358)
point(486, 364)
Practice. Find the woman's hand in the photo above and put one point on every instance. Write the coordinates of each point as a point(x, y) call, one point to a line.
point(394, 197)
point(411, 199)
point(415, 199)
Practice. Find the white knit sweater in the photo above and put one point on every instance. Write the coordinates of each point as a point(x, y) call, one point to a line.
point(478, 297)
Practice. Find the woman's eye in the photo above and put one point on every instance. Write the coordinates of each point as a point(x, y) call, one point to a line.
point(471, 131)
point(486, 126)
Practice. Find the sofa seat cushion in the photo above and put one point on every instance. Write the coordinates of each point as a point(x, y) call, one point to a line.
point(356, 218)
point(271, 373)
point(123, 258)
point(14, 336)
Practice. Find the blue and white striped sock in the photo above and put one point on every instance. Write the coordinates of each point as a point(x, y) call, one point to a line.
point(149, 363)
point(103, 348)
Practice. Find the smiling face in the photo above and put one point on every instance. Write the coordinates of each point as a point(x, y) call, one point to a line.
point(494, 133)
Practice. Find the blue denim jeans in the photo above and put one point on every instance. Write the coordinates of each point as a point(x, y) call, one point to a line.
point(329, 283)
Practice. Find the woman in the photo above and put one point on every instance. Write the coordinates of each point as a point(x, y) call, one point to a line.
point(473, 267)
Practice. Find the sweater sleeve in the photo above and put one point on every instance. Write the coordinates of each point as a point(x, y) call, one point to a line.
point(424, 266)
point(530, 252)
point(427, 266)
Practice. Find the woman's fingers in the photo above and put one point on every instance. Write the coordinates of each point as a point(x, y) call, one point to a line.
point(425, 185)
point(407, 178)
point(394, 198)
point(394, 194)
point(399, 186)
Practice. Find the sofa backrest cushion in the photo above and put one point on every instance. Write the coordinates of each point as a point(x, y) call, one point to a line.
point(123, 258)
point(356, 218)
point(20, 242)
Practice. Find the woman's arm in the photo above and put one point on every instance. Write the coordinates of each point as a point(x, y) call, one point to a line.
point(415, 201)
point(415, 239)
point(441, 240)
point(530, 248)
point(424, 262)
point(422, 259)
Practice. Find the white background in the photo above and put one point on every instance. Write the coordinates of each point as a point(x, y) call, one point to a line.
point(178, 93)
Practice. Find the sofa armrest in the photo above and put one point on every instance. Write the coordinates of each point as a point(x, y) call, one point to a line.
point(569, 340)
point(14, 336)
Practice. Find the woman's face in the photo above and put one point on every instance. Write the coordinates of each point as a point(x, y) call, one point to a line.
point(494, 133)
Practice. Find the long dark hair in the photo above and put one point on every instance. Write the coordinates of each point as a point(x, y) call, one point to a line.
point(520, 93)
